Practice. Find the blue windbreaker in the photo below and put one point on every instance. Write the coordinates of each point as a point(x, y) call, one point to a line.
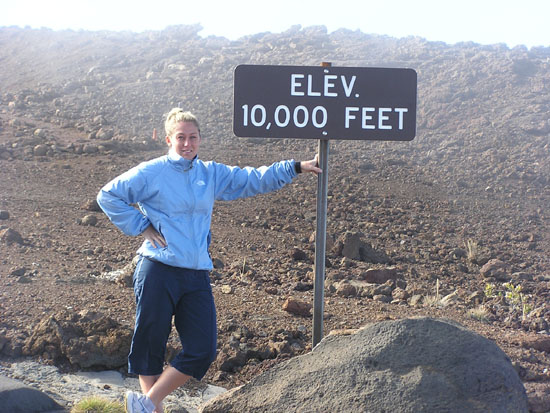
point(176, 196)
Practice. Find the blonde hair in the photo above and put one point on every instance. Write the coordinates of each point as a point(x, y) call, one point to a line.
point(179, 115)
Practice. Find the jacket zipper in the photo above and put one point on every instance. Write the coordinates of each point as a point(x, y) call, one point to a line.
point(192, 212)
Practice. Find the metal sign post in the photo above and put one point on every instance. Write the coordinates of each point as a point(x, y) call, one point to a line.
point(320, 244)
point(320, 240)
point(315, 102)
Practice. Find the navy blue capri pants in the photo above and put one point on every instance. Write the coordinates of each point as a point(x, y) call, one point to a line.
point(163, 292)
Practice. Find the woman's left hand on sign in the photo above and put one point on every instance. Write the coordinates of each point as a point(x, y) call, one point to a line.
point(311, 166)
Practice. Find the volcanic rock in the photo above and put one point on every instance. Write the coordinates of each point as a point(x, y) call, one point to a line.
point(40, 150)
point(351, 245)
point(406, 365)
point(91, 205)
point(297, 307)
point(17, 397)
point(90, 220)
point(380, 276)
point(496, 269)
point(540, 343)
point(10, 236)
point(298, 254)
point(84, 340)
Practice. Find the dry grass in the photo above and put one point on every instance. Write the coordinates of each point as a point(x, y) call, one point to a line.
point(97, 405)
point(433, 300)
point(472, 250)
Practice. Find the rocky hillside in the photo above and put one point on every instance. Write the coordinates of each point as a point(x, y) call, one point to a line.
point(482, 126)
point(482, 110)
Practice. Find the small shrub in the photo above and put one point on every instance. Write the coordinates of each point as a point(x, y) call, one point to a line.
point(97, 405)
point(491, 291)
point(512, 295)
point(517, 299)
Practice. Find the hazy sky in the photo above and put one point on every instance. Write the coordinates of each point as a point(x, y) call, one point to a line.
point(513, 22)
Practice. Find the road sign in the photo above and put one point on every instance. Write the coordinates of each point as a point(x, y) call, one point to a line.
point(324, 102)
point(316, 102)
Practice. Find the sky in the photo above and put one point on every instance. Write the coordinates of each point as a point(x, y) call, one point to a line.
point(513, 22)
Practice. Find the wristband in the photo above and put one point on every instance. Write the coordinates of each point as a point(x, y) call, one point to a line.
point(298, 167)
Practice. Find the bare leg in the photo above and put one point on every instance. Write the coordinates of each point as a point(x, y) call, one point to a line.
point(146, 383)
point(169, 380)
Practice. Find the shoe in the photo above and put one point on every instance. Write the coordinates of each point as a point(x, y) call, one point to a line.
point(138, 403)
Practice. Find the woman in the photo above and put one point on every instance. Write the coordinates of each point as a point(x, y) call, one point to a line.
point(175, 194)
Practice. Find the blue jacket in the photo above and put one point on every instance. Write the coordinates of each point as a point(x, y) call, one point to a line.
point(176, 196)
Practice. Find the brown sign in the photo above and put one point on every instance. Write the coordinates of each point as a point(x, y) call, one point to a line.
point(315, 102)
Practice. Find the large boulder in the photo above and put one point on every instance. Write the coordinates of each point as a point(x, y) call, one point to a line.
point(85, 340)
point(411, 365)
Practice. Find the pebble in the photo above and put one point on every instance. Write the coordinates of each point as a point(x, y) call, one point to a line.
point(10, 236)
point(90, 220)
point(297, 307)
point(40, 150)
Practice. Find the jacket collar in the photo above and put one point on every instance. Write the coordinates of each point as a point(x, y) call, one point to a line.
point(179, 162)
